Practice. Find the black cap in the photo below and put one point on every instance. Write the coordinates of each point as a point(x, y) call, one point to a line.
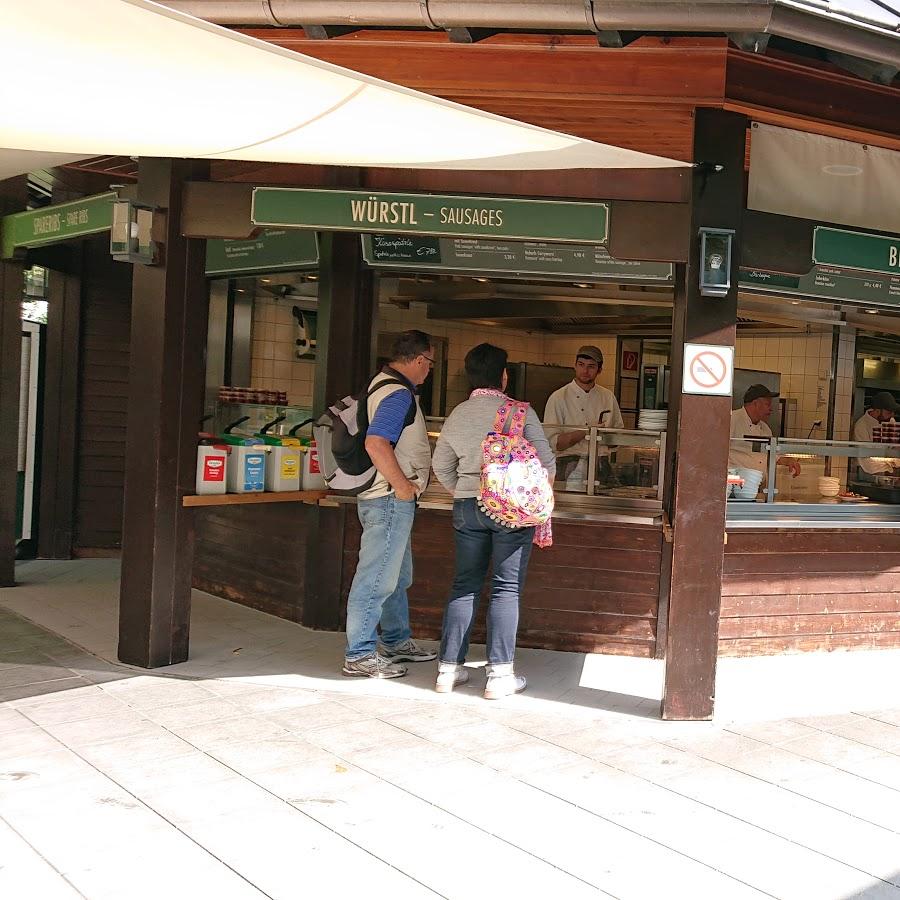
point(755, 391)
point(884, 400)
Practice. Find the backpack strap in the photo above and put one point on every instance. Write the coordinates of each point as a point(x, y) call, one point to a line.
point(510, 418)
point(385, 382)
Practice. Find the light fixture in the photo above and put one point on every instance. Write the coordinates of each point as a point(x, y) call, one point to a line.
point(842, 170)
point(872, 312)
point(582, 284)
point(312, 277)
point(131, 233)
point(795, 302)
point(482, 280)
point(266, 280)
point(715, 261)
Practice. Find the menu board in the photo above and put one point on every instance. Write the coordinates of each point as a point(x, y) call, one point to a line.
point(828, 283)
point(273, 249)
point(583, 262)
point(847, 267)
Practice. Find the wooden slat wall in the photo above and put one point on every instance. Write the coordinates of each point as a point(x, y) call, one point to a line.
point(595, 590)
point(103, 398)
point(810, 590)
point(254, 555)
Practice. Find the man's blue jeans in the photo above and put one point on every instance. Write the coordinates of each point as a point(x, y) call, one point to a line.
point(480, 541)
point(383, 575)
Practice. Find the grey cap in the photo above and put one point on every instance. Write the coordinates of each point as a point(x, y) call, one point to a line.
point(755, 391)
point(884, 400)
point(591, 352)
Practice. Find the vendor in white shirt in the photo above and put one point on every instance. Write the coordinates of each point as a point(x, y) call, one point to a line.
point(883, 408)
point(749, 421)
point(574, 408)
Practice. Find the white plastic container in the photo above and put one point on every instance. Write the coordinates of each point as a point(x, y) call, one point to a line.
point(313, 479)
point(212, 464)
point(247, 469)
point(283, 466)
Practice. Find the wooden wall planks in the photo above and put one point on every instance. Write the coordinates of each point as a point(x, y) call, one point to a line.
point(595, 590)
point(810, 590)
point(254, 555)
point(103, 398)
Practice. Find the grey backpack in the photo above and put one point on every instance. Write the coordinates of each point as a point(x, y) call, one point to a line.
point(340, 434)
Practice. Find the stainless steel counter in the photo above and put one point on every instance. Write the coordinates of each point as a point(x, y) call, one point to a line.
point(812, 515)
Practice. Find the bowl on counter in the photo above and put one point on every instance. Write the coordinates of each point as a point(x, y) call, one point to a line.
point(752, 480)
point(828, 486)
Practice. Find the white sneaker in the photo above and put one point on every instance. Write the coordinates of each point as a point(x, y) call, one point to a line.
point(449, 676)
point(502, 682)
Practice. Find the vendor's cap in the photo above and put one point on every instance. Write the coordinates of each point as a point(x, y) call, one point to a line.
point(591, 352)
point(884, 400)
point(755, 391)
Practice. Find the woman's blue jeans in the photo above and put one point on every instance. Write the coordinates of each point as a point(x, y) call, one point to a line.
point(480, 541)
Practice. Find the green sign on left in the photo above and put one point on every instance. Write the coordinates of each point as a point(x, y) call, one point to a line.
point(488, 217)
point(52, 224)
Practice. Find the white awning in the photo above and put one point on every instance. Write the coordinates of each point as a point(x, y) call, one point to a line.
point(144, 80)
point(826, 179)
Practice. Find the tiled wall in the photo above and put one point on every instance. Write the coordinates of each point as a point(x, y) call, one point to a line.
point(804, 362)
point(272, 362)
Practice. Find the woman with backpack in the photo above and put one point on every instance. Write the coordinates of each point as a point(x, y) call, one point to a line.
point(485, 483)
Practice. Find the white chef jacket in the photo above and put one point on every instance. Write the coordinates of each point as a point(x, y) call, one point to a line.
point(740, 455)
point(864, 430)
point(571, 407)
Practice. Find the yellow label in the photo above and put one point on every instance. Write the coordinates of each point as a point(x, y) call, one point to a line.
point(290, 466)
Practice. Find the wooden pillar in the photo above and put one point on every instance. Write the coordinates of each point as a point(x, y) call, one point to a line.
point(168, 340)
point(13, 198)
point(345, 327)
point(701, 423)
point(60, 431)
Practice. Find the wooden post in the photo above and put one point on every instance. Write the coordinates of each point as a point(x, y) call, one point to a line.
point(168, 337)
point(346, 324)
point(13, 198)
point(702, 425)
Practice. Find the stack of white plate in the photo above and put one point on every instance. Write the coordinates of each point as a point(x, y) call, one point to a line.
point(652, 419)
point(752, 480)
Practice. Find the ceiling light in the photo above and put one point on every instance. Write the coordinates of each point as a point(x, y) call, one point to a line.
point(842, 170)
point(266, 280)
point(872, 312)
point(582, 284)
point(795, 302)
point(312, 277)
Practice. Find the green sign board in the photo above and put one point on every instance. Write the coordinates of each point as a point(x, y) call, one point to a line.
point(272, 250)
point(856, 250)
point(847, 267)
point(52, 224)
point(478, 256)
point(828, 283)
point(487, 217)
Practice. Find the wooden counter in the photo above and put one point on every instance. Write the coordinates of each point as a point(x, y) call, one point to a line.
point(595, 590)
point(791, 590)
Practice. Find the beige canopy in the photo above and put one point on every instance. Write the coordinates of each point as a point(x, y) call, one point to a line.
point(143, 80)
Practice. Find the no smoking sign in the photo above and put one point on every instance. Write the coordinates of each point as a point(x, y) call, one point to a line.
point(708, 369)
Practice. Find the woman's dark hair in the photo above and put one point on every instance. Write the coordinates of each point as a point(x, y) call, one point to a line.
point(410, 344)
point(484, 366)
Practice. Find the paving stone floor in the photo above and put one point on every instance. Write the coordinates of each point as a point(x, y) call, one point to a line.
point(255, 770)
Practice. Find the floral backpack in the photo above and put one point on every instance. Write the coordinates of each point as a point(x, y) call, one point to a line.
point(515, 489)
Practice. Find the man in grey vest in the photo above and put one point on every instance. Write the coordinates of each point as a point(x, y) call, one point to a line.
point(402, 455)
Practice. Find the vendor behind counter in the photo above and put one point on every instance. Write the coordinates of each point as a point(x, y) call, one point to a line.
point(883, 409)
point(749, 421)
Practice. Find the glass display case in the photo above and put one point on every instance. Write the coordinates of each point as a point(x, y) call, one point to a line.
point(831, 484)
point(627, 467)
